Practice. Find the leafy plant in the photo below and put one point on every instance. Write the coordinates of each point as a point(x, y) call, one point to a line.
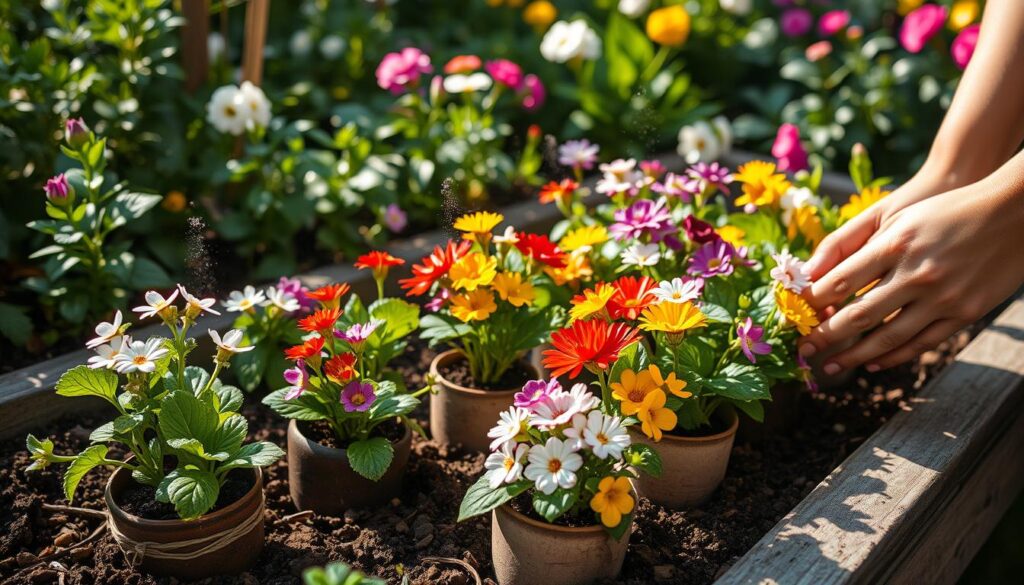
point(337, 573)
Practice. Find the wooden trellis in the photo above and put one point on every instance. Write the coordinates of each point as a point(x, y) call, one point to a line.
point(195, 34)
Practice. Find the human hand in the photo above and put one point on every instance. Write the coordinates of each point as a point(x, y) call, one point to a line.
point(942, 262)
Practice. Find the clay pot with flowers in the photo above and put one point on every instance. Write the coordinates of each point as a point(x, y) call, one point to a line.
point(558, 486)
point(492, 303)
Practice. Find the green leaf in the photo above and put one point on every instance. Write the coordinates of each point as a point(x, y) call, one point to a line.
point(126, 422)
point(753, 408)
point(400, 319)
point(187, 423)
point(440, 328)
point(739, 382)
point(41, 450)
point(259, 454)
point(250, 366)
point(481, 498)
point(14, 324)
point(305, 407)
point(192, 491)
point(83, 463)
point(148, 274)
point(85, 381)
point(644, 458)
point(196, 379)
point(229, 398)
point(554, 505)
point(102, 433)
point(128, 207)
point(617, 532)
point(371, 457)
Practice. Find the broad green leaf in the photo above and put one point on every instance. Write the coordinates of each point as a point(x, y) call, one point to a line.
point(102, 433)
point(126, 422)
point(186, 421)
point(481, 498)
point(229, 398)
point(554, 505)
point(196, 379)
point(739, 382)
point(753, 408)
point(371, 457)
point(85, 381)
point(128, 207)
point(440, 328)
point(148, 274)
point(192, 491)
point(228, 439)
point(400, 319)
point(250, 366)
point(83, 463)
point(259, 454)
point(305, 407)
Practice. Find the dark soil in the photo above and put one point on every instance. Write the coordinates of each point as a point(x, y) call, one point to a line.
point(140, 500)
point(457, 372)
point(767, 477)
point(321, 432)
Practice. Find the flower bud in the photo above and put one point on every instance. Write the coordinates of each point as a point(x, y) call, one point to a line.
point(76, 133)
point(744, 301)
point(59, 192)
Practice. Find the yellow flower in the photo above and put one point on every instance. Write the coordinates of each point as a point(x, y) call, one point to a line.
point(963, 13)
point(761, 185)
point(592, 301)
point(495, 3)
point(577, 267)
point(472, 271)
point(474, 306)
point(806, 222)
point(675, 319)
point(858, 203)
point(732, 234)
point(669, 26)
point(631, 390)
point(511, 288)
point(671, 383)
point(796, 310)
point(583, 237)
point(478, 226)
point(654, 417)
point(612, 500)
point(905, 7)
point(540, 14)
point(175, 202)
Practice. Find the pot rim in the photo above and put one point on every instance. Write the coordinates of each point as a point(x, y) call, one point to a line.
point(733, 426)
point(474, 392)
point(119, 513)
point(334, 451)
point(508, 509)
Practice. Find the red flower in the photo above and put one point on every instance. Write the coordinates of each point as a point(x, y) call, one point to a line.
point(594, 345)
point(309, 348)
point(558, 191)
point(329, 295)
point(541, 249)
point(377, 260)
point(341, 368)
point(434, 267)
point(321, 321)
point(632, 295)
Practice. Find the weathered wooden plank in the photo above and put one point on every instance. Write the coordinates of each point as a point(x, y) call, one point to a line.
point(914, 501)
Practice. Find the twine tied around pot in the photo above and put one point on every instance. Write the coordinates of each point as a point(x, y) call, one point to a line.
point(136, 551)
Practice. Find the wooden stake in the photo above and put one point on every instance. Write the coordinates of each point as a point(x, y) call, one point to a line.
point(256, 15)
point(195, 58)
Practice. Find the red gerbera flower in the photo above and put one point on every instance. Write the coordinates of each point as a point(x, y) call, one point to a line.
point(341, 368)
point(555, 191)
point(434, 267)
point(329, 295)
point(309, 348)
point(377, 260)
point(321, 321)
point(594, 345)
point(632, 295)
point(541, 249)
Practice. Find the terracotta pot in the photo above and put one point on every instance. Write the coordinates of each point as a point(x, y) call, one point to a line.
point(236, 555)
point(527, 552)
point(781, 413)
point(692, 467)
point(464, 415)
point(320, 478)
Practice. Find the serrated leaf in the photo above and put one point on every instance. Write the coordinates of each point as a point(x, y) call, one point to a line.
point(192, 491)
point(305, 407)
point(186, 421)
point(102, 433)
point(739, 382)
point(84, 462)
point(481, 498)
point(371, 457)
point(259, 454)
point(85, 381)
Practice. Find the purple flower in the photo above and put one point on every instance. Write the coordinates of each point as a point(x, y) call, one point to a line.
point(832, 22)
point(505, 72)
point(710, 175)
point(643, 217)
point(76, 133)
point(677, 186)
point(534, 392)
point(58, 190)
point(535, 94)
point(293, 287)
point(750, 336)
point(699, 232)
point(357, 334)
point(805, 373)
point(652, 168)
point(712, 259)
point(796, 22)
point(578, 154)
point(921, 25)
point(395, 218)
point(963, 45)
point(296, 378)
point(357, 396)
point(437, 303)
point(400, 71)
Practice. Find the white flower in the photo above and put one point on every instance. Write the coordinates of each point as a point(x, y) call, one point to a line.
point(634, 8)
point(281, 299)
point(461, 83)
point(245, 300)
point(578, 153)
point(566, 41)
point(724, 129)
point(229, 343)
point(698, 143)
point(332, 46)
point(225, 111)
point(795, 198)
point(605, 435)
point(105, 332)
point(552, 465)
point(761, 34)
point(740, 7)
point(155, 303)
point(620, 175)
point(106, 354)
point(255, 104)
point(677, 290)
point(560, 406)
point(641, 255)
point(215, 47)
point(196, 306)
point(509, 237)
point(574, 434)
point(301, 43)
point(139, 356)
point(511, 423)
point(789, 272)
point(505, 465)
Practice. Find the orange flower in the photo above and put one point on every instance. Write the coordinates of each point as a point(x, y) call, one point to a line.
point(321, 321)
point(558, 192)
point(330, 295)
point(632, 295)
point(433, 267)
point(591, 344)
point(377, 260)
point(341, 368)
point(309, 348)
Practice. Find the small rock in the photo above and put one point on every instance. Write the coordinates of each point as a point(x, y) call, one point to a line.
point(26, 558)
point(894, 394)
point(43, 575)
point(80, 433)
point(839, 428)
point(57, 520)
point(401, 527)
point(664, 572)
point(66, 538)
point(422, 529)
point(81, 553)
point(346, 532)
point(425, 542)
point(350, 516)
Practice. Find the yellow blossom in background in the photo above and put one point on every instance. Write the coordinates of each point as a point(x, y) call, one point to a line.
point(495, 3)
point(761, 185)
point(583, 237)
point(963, 13)
point(540, 14)
point(478, 226)
point(905, 7)
point(174, 201)
point(612, 500)
point(806, 222)
point(577, 267)
point(858, 203)
point(672, 318)
point(732, 235)
point(632, 388)
point(671, 383)
point(473, 271)
point(473, 306)
point(669, 26)
point(796, 310)
point(654, 417)
point(511, 288)
point(591, 302)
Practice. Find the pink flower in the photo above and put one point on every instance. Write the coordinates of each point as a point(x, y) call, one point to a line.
point(357, 396)
point(395, 218)
point(296, 378)
point(921, 25)
point(796, 22)
point(534, 392)
point(963, 45)
point(804, 373)
point(75, 132)
point(535, 93)
point(832, 22)
point(400, 71)
point(293, 287)
point(712, 259)
point(787, 149)
point(750, 337)
point(818, 51)
point(58, 190)
point(505, 72)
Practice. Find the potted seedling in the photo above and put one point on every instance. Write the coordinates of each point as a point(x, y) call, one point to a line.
point(188, 499)
point(492, 303)
point(558, 487)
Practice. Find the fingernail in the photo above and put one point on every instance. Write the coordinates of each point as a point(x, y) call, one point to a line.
point(808, 349)
point(832, 369)
point(872, 368)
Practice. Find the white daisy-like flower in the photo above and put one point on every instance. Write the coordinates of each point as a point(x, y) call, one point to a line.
point(155, 303)
point(789, 272)
point(509, 237)
point(552, 465)
point(574, 433)
point(678, 290)
point(560, 407)
point(511, 423)
point(566, 41)
point(638, 254)
point(620, 175)
point(634, 8)
point(578, 153)
point(698, 143)
point(462, 83)
point(281, 299)
point(225, 111)
point(195, 306)
point(106, 354)
point(506, 464)
point(255, 104)
point(246, 299)
point(605, 435)
point(229, 343)
point(216, 48)
point(740, 7)
point(105, 332)
point(140, 356)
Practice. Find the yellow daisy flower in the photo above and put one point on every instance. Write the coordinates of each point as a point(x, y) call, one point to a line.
point(612, 500)
point(591, 302)
point(654, 417)
point(577, 267)
point(472, 271)
point(796, 310)
point(478, 226)
point(671, 383)
point(540, 14)
point(583, 237)
point(473, 306)
point(511, 288)
point(761, 185)
point(963, 13)
point(631, 390)
point(807, 223)
point(732, 235)
point(858, 203)
point(674, 319)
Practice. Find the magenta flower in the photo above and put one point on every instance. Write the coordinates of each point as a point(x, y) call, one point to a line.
point(505, 72)
point(677, 186)
point(394, 218)
point(699, 232)
point(534, 392)
point(832, 22)
point(805, 373)
point(796, 22)
point(787, 149)
point(750, 336)
point(711, 175)
point(296, 378)
point(293, 287)
point(437, 303)
point(963, 45)
point(357, 334)
point(357, 396)
point(578, 154)
point(58, 191)
point(400, 71)
point(652, 168)
point(921, 25)
point(712, 259)
point(76, 133)
point(645, 217)
point(535, 94)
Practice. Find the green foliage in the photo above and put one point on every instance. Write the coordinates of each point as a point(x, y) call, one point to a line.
point(337, 573)
point(481, 498)
point(371, 457)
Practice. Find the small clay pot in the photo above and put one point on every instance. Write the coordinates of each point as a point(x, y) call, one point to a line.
point(320, 478)
point(525, 551)
point(464, 415)
point(692, 467)
point(232, 558)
